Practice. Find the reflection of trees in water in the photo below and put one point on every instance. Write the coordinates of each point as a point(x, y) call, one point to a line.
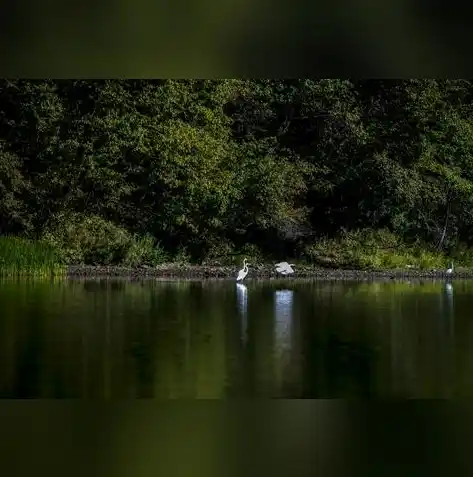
point(146, 339)
point(350, 368)
point(23, 338)
point(395, 341)
point(102, 339)
point(189, 346)
point(268, 361)
point(423, 332)
point(421, 344)
point(338, 342)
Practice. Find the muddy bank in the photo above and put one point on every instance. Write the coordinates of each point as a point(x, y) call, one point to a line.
point(259, 272)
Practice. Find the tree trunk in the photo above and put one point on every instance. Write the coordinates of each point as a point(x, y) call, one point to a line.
point(445, 226)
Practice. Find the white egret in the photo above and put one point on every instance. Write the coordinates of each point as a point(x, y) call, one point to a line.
point(244, 271)
point(285, 268)
point(450, 270)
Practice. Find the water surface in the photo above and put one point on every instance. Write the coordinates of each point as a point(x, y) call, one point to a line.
point(215, 339)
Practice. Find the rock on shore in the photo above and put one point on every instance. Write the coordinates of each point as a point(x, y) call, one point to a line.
point(260, 272)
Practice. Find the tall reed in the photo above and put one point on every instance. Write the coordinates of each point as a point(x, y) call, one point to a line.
point(21, 256)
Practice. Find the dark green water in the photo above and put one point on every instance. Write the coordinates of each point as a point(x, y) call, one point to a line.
point(280, 339)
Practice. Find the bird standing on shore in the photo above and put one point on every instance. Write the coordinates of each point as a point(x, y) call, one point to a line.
point(243, 272)
point(450, 270)
point(285, 268)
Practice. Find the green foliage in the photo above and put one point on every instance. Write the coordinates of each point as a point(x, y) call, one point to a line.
point(220, 254)
point(20, 256)
point(370, 249)
point(87, 239)
point(144, 251)
point(182, 256)
point(13, 214)
point(198, 165)
point(252, 252)
point(90, 239)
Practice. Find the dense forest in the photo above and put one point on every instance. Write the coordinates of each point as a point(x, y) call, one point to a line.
point(139, 170)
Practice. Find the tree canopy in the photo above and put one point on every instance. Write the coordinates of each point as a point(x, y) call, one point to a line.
point(272, 163)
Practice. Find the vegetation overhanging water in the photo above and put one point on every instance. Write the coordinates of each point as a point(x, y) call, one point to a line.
point(362, 174)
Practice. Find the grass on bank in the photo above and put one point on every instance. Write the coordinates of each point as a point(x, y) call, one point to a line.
point(380, 249)
point(21, 256)
point(94, 241)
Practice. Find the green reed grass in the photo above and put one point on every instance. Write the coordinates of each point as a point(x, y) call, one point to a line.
point(21, 256)
point(379, 249)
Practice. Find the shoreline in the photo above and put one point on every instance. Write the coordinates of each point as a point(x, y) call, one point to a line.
point(200, 272)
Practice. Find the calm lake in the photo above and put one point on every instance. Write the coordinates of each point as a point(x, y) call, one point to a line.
point(215, 339)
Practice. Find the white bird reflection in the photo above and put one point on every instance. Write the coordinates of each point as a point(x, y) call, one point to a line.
point(448, 341)
point(450, 308)
point(283, 335)
point(449, 289)
point(242, 297)
point(283, 319)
